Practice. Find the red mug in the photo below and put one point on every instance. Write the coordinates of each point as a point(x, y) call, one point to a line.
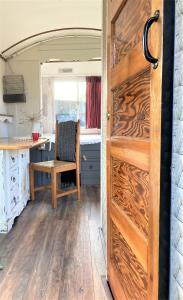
point(35, 136)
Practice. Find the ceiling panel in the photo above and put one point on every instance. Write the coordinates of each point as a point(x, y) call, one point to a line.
point(23, 18)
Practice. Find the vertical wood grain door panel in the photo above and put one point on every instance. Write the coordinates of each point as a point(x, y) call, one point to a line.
point(133, 150)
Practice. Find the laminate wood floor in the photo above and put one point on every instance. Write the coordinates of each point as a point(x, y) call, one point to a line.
point(55, 254)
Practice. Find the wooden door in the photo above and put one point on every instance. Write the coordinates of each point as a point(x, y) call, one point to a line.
point(133, 149)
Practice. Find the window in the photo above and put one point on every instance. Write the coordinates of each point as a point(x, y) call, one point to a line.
point(70, 99)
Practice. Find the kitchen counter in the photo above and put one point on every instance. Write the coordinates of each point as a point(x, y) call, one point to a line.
point(85, 139)
point(20, 143)
point(14, 178)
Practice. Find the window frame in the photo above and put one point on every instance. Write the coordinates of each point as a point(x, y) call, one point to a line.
point(76, 79)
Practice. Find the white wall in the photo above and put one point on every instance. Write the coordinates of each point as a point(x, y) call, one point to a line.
point(176, 273)
point(21, 111)
point(3, 107)
point(2, 104)
point(28, 65)
point(86, 68)
point(104, 129)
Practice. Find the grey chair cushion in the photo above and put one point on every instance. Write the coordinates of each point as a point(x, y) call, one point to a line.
point(67, 141)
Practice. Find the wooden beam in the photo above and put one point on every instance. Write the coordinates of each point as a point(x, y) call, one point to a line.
point(49, 31)
point(42, 187)
point(62, 193)
point(3, 58)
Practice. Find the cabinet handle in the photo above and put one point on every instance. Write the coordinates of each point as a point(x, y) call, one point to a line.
point(13, 179)
point(15, 199)
point(147, 26)
point(84, 157)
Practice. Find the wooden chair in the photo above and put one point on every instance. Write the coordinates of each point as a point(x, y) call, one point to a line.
point(55, 167)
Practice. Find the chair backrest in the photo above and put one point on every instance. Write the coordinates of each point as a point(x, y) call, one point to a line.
point(67, 141)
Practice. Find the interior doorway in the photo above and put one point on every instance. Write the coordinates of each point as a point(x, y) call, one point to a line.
point(34, 243)
point(79, 223)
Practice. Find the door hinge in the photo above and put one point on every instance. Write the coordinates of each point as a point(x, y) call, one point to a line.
point(108, 115)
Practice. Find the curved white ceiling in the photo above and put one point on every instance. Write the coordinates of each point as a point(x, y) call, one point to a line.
point(68, 48)
point(23, 18)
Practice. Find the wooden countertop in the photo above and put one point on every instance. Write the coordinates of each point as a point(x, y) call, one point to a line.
point(16, 144)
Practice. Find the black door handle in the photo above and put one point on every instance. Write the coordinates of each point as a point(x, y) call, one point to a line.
point(147, 26)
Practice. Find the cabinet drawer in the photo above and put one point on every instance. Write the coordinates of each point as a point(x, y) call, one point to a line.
point(90, 166)
point(91, 147)
point(90, 178)
point(87, 155)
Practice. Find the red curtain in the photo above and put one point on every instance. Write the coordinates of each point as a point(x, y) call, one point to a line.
point(93, 102)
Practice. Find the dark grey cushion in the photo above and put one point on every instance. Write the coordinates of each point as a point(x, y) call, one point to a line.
point(67, 141)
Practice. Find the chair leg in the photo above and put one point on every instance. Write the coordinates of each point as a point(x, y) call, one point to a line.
point(58, 180)
point(78, 183)
point(54, 188)
point(31, 175)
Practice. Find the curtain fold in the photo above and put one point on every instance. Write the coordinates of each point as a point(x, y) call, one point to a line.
point(93, 102)
point(48, 104)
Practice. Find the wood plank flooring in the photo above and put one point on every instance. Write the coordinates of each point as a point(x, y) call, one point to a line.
point(55, 254)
